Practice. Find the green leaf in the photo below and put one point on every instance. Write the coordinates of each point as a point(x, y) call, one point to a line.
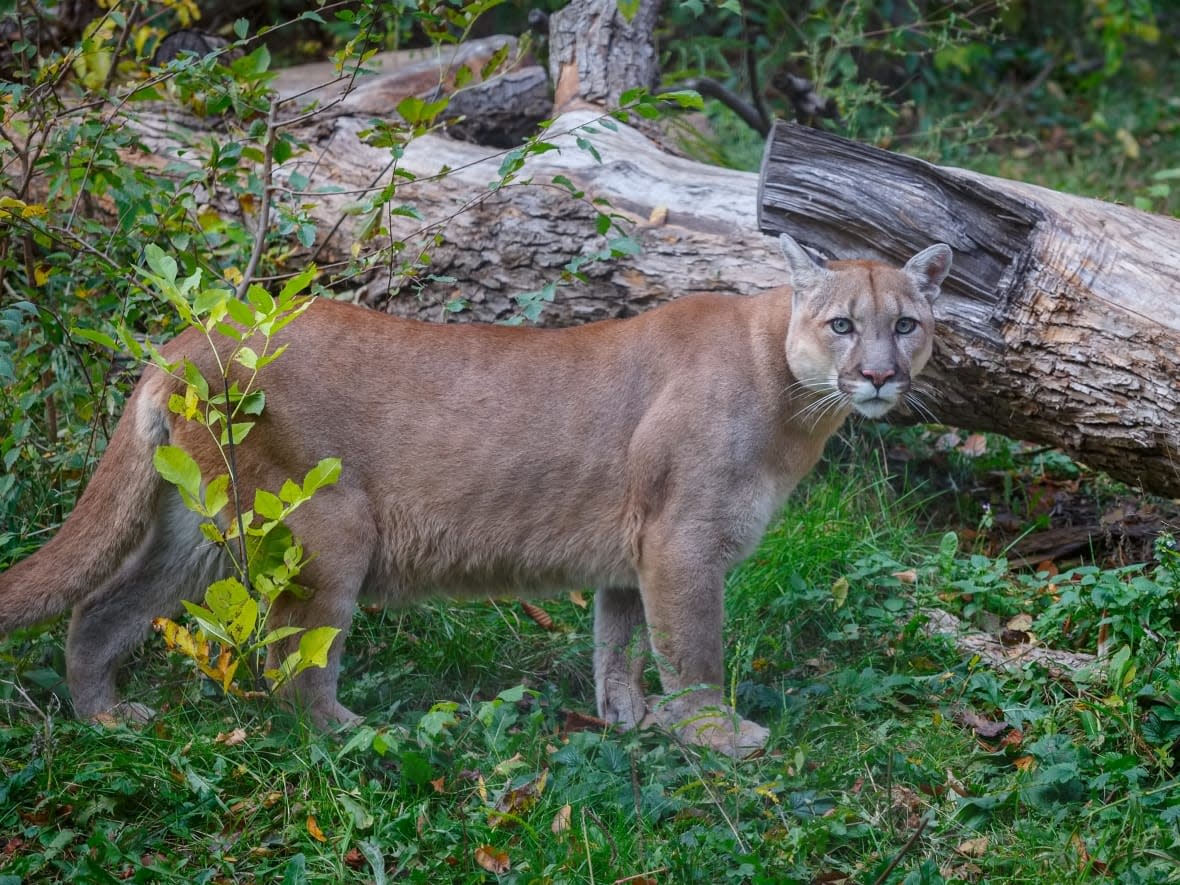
point(295, 873)
point(240, 312)
point(360, 815)
point(241, 28)
point(685, 98)
point(323, 474)
point(207, 621)
point(297, 284)
point(253, 402)
point(241, 429)
point(267, 504)
point(278, 633)
point(216, 494)
point(260, 298)
point(585, 144)
point(462, 76)
point(291, 493)
point(210, 299)
point(495, 62)
point(410, 109)
point(314, 645)
point(177, 467)
point(624, 246)
point(194, 378)
point(628, 8)
point(562, 181)
point(161, 263)
point(95, 336)
point(234, 607)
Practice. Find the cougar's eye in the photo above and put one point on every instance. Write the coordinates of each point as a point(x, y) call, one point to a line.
point(905, 325)
point(841, 325)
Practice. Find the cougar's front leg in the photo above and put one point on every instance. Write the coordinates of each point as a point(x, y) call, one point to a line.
point(683, 599)
point(620, 653)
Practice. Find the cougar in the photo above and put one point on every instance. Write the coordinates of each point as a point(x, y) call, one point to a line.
point(641, 456)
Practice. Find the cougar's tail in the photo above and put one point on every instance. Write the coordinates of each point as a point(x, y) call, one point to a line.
point(111, 518)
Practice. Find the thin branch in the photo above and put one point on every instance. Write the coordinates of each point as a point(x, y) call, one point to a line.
point(264, 209)
point(902, 852)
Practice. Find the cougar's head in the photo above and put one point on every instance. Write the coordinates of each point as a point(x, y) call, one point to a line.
point(860, 330)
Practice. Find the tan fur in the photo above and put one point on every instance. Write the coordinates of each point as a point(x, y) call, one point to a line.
point(643, 456)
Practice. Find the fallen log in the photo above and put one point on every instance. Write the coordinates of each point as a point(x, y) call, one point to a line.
point(1060, 322)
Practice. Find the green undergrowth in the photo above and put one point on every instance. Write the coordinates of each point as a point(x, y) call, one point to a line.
point(894, 756)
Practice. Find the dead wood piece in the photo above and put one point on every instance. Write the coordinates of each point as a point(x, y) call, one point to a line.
point(996, 654)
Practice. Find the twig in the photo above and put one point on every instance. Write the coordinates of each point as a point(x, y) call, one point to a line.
point(902, 852)
point(264, 209)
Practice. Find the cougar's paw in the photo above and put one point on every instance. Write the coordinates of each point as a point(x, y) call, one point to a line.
point(623, 706)
point(719, 728)
point(124, 713)
point(333, 717)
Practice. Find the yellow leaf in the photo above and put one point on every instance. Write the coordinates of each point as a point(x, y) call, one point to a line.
point(179, 639)
point(840, 592)
point(578, 599)
point(492, 859)
point(314, 830)
point(1130, 145)
point(233, 276)
point(40, 275)
point(191, 401)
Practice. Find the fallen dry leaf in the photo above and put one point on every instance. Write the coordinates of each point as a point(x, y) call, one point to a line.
point(231, 738)
point(575, 721)
point(353, 859)
point(578, 598)
point(909, 576)
point(658, 216)
point(984, 728)
point(438, 783)
point(313, 829)
point(973, 847)
point(493, 859)
point(955, 784)
point(1025, 763)
point(974, 445)
point(517, 801)
point(561, 820)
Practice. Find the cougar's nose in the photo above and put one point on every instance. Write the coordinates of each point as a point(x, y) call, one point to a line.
point(878, 378)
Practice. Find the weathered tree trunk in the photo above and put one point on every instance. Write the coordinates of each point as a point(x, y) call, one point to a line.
point(595, 53)
point(1061, 319)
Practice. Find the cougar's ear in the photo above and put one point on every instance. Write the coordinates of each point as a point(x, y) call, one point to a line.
point(805, 273)
point(929, 268)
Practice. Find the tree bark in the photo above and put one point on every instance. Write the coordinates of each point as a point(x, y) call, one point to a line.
point(596, 54)
point(1061, 318)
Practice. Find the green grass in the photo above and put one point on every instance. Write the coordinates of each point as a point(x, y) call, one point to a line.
point(466, 704)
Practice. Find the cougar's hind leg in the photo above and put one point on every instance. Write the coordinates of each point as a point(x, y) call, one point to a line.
point(173, 562)
point(339, 536)
point(620, 653)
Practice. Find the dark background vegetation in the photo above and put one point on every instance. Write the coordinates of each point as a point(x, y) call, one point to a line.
point(894, 758)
